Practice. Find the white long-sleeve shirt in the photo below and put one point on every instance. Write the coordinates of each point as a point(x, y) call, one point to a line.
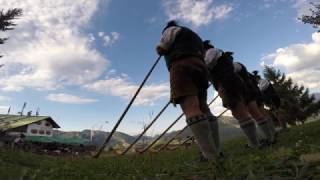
point(168, 37)
point(212, 56)
point(237, 67)
point(263, 84)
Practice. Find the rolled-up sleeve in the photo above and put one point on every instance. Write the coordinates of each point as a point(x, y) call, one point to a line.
point(237, 67)
point(168, 37)
point(212, 56)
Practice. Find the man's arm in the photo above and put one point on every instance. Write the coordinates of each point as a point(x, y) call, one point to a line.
point(212, 56)
point(167, 39)
point(237, 67)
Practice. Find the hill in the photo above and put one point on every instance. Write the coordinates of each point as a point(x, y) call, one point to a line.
point(295, 156)
point(98, 137)
point(228, 129)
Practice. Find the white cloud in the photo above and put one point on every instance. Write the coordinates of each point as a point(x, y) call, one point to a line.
point(200, 12)
point(121, 86)
point(100, 34)
point(152, 20)
point(48, 48)
point(69, 99)
point(300, 61)
point(269, 3)
point(4, 109)
point(217, 108)
point(4, 98)
point(109, 40)
point(309, 77)
point(91, 38)
point(303, 6)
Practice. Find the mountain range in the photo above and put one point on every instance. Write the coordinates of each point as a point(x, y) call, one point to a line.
point(228, 126)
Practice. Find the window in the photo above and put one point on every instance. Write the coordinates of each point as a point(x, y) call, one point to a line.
point(47, 124)
point(48, 132)
point(34, 131)
point(41, 132)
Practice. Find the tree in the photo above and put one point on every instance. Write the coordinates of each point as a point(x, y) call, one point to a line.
point(296, 101)
point(314, 18)
point(6, 21)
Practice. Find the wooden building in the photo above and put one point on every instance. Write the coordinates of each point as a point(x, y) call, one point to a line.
point(14, 125)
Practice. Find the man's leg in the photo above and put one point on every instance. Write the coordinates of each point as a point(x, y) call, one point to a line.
point(199, 125)
point(270, 120)
point(240, 112)
point(213, 121)
point(261, 120)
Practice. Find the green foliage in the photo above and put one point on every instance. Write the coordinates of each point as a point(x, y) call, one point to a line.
point(288, 159)
point(6, 21)
point(314, 18)
point(296, 101)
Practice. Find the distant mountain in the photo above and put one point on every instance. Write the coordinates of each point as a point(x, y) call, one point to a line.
point(228, 129)
point(98, 137)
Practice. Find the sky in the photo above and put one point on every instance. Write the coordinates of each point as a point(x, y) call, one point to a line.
point(81, 61)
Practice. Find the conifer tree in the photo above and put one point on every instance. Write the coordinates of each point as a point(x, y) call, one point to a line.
point(296, 101)
point(6, 21)
point(314, 18)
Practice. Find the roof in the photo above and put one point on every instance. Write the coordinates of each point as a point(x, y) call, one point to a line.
point(14, 121)
point(57, 139)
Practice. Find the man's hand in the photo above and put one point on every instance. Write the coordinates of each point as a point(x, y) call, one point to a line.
point(161, 51)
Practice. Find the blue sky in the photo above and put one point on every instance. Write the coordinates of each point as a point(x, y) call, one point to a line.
point(81, 61)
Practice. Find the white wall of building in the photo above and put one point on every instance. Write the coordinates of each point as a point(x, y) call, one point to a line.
point(41, 128)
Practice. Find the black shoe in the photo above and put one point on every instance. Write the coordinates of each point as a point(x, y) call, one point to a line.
point(203, 159)
point(264, 143)
point(274, 141)
point(221, 157)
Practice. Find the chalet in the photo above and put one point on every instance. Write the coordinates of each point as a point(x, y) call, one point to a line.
point(14, 125)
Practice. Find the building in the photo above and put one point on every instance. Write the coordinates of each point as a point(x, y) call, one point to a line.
point(38, 135)
point(14, 125)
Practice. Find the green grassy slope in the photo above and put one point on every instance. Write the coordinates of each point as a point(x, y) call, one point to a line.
point(293, 157)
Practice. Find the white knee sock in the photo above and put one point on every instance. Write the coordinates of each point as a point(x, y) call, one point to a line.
point(249, 128)
point(213, 122)
point(200, 128)
point(265, 128)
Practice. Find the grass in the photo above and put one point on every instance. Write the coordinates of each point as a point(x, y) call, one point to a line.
point(295, 156)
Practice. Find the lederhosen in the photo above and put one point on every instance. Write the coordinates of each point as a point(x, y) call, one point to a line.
point(251, 89)
point(271, 98)
point(226, 82)
point(188, 73)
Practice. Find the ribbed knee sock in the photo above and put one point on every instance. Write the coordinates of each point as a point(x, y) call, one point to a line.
point(263, 124)
point(249, 128)
point(271, 125)
point(214, 125)
point(200, 128)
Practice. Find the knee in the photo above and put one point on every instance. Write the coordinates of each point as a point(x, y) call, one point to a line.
point(190, 106)
point(205, 108)
point(254, 110)
point(240, 111)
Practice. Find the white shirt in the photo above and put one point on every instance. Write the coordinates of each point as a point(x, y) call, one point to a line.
point(169, 36)
point(263, 84)
point(212, 56)
point(237, 67)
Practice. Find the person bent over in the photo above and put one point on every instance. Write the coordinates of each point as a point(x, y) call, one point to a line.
point(269, 95)
point(183, 51)
point(253, 99)
point(230, 88)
